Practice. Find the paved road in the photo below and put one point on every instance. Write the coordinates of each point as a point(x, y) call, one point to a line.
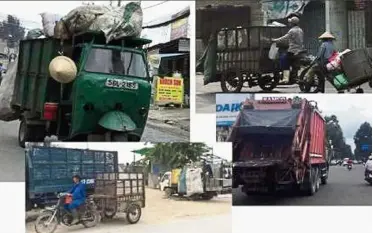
point(12, 156)
point(205, 95)
point(211, 224)
point(344, 188)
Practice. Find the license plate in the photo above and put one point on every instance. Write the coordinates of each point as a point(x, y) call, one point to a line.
point(122, 84)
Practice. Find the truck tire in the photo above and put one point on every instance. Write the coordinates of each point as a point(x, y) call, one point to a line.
point(324, 179)
point(23, 133)
point(317, 179)
point(310, 182)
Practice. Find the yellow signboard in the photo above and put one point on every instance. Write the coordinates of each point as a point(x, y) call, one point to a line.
point(169, 90)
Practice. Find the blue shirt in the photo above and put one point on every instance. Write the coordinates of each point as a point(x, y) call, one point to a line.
point(78, 192)
point(326, 50)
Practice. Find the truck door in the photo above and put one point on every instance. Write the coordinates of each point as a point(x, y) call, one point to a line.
point(165, 181)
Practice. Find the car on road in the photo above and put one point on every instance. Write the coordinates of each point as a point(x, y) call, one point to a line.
point(355, 162)
point(333, 162)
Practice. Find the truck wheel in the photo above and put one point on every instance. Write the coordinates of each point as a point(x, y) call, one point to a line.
point(133, 213)
point(324, 179)
point(231, 79)
point(168, 192)
point(23, 133)
point(310, 183)
point(109, 214)
point(317, 179)
point(207, 196)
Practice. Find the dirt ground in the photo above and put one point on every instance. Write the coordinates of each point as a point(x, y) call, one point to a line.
point(160, 210)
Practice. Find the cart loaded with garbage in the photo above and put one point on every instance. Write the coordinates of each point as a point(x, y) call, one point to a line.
point(350, 69)
point(121, 192)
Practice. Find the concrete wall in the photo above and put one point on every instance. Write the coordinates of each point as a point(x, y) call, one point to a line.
point(336, 22)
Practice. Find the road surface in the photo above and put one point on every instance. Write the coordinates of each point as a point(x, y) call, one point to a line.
point(210, 224)
point(344, 188)
point(12, 156)
point(205, 95)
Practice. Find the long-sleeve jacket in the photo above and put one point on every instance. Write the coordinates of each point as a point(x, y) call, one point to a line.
point(294, 38)
point(326, 50)
point(78, 192)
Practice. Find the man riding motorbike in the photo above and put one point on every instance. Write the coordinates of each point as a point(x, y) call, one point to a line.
point(78, 194)
point(349, 163)
point(326, 51)
point(294, 37)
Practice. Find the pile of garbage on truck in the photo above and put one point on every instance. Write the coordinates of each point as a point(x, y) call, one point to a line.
point(114, 22)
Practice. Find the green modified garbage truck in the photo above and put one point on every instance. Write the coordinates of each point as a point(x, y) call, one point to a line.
point(108, 100)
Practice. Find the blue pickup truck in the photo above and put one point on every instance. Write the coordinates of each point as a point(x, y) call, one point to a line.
point(49, 171)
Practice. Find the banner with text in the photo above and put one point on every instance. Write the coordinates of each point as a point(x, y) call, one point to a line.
point(228, 106)
point(169, 90)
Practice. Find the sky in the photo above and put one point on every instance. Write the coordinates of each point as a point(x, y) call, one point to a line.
point(351, 110)
point(221, 149)
point(29, 13)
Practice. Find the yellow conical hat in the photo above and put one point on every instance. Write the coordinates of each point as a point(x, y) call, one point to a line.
point(326, 35)
point(62, 69)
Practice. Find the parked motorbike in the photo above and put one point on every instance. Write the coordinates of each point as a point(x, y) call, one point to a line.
point(49, 219)
point(368, 176)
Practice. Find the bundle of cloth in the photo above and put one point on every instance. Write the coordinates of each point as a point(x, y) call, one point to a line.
point(114, 22)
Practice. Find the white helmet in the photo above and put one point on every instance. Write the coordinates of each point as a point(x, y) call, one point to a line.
point(370, 157)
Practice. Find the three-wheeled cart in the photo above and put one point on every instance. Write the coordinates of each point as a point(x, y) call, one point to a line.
point(122, 192)
point(240, 58)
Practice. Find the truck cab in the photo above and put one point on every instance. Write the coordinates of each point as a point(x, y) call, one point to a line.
point(109, 97)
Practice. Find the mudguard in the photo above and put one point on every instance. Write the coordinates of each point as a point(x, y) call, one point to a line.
point(117, 121)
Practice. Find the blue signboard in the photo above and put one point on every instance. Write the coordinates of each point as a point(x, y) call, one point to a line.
point(365, 147)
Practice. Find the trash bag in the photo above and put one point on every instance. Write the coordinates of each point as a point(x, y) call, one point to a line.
point(6, 93)
point(209, 61)
point(114, 22)
point(34, 34)
point(273, 52)
point(49, 21)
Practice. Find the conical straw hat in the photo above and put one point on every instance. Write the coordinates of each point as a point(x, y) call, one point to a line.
point(326, 35)
point(62, 69)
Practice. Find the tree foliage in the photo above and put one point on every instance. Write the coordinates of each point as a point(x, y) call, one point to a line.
point(363, 141)
point(11, 31)
point(176, 155)
point(335, 137)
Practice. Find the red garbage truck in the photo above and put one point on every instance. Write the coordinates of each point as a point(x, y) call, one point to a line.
point(279, 144)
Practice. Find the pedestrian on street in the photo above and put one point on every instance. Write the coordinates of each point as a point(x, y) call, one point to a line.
point(326, 51)
point(294, 38)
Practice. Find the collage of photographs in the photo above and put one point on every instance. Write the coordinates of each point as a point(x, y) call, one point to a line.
point(185, 116)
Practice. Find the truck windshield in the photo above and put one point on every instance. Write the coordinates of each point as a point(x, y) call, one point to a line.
point(116, 62)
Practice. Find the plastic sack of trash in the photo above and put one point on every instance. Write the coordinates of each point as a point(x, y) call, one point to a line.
point(273, 52)
point(6, 93)
point(34, 34)
point(194, 182)
point(114, 22)
point(49, 21)
point(335, 63)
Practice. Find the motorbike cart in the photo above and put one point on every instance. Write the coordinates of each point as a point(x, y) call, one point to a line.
point(50, 218)
point(108, 100)
point(242, 58)
point(356, 70)
point(122, 192)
